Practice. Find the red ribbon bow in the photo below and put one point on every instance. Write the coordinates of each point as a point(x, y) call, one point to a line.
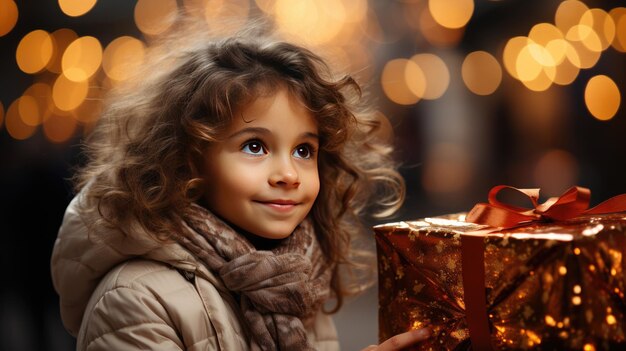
point(572, 203)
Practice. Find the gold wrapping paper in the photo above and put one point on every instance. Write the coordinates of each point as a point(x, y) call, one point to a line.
point(549, 286)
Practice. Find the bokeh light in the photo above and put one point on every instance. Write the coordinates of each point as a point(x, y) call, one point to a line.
point(511, 52)
point(602, 97)
point(451, 13)
point(28, 110)
point(618, 15)
point(59, 127)
point(75, 8)
point(436, 75)
point(8, 16)
point(153, 17)
point(568, 14)
point(61, 39)
point(481, 73)
point(315, 22)
point(34, 51)
point(82, 58)
point(437, 34)
point(527, 66)
point(122, 57)
point(601, 24)
point(42, 95)
point(403, 81)
point(14, 124)
point(68, 94)
point(568, 69)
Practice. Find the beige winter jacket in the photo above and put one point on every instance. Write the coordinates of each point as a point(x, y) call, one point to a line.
point(130, 293)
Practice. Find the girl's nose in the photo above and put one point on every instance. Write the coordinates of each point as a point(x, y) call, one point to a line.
point(284, 173)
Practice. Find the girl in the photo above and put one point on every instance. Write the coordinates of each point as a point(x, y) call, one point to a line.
point(219, 201)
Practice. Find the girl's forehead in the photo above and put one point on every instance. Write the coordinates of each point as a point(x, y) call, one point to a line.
point(278, 109)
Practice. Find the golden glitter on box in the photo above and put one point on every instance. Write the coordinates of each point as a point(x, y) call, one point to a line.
point(548, 285)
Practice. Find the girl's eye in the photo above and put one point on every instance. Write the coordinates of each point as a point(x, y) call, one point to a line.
point(304, 151)
point(254, 148)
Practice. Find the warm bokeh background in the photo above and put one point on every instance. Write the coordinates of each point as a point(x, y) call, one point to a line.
point(476, 92)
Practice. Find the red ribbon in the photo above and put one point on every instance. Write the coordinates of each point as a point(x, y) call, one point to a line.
point(572, 203)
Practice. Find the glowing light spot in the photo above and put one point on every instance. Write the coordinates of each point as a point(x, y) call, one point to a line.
point(586, 43)
point(316, 22)
point(562, 270)
point(397, 87)
point(610, 319)
point(568, 14)
point(587, 36)
point(613, 272)
point(618, 15)
point(74, 8)
point(602, 97)
point(602, 24)
point(81, 59)
point(16, 128)
point(589, 347)
point(436, 75)
point(154, 17)
point(544, 33)
point(42, 94)
point(451, 13)
point(527, 67)
point(61, 39)
point(122, 57)
point(34, 51)
point(437, 34)
point(549, 320)
point(557, 49)
point(59, 127)
point(512, 50)
point(533, 339)
point(481, 73)
point(568, 69)
point(8, 16)
point(68, 95)
point(576, 300)
point(577, 252)
point(592, 268)
point(28, 110)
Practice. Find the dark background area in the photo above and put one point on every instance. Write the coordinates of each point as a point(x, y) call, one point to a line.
point(34, 173)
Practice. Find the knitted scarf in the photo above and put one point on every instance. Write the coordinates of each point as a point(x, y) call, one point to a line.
point(277, 289)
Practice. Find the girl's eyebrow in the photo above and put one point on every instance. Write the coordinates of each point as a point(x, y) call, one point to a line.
point(265, 131)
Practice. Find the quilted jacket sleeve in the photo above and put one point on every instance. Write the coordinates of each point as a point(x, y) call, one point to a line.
point(128, 319)
point(145, 306)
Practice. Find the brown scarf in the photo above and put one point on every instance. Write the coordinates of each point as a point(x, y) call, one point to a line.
point(277, 288)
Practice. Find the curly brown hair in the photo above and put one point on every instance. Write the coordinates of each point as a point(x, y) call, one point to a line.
point(144, 156)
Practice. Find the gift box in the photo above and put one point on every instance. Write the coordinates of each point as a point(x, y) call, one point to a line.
point(507, 278)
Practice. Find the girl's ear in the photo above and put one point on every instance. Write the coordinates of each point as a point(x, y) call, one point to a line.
point(194, 187)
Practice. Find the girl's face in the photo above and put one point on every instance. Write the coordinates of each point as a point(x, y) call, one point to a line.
point(263, 177)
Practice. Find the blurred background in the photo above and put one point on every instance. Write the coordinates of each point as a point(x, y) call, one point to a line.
point(475, 92)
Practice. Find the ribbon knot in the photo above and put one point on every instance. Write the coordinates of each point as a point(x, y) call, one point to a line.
point(572, 203)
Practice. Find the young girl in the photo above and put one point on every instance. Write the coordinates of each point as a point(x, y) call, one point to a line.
point(219, 201)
